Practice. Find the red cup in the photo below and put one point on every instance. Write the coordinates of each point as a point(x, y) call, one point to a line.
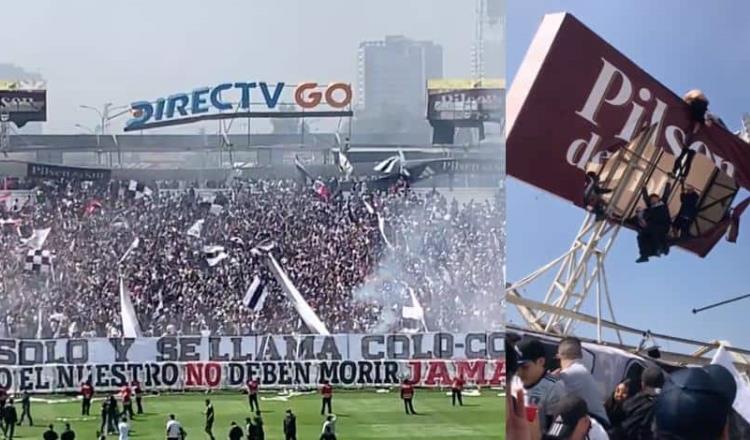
point(531, 412)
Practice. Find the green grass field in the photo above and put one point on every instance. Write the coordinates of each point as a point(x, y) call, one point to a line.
point(361, 415)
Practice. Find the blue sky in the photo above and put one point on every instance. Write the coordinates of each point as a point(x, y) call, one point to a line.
point(685, 44)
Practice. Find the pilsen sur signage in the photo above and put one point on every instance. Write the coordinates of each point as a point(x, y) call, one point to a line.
point(200, 101)
point(576, 99)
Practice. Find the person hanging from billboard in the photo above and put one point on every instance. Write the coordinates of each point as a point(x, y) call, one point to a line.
point(689, 199)
point(592, 195)
point(654, 223)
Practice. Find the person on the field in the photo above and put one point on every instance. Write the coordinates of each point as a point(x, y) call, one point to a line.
point(113, 415)
point(327, 434)
point(330, 425)
point(69, 434)
point(235, 432)
point(126, 394)
point(50, 434)
point(138, 391)
point(252, 395)
point(260, 433)
point(250, 428)
point(457, 388)
point(25, 409)
point(290, 426)
point(10, 418)
point(3, 398)
point(209, 412)
point(124, 429)
point(105, 414)
point(326, 390)
point(87, 392)
point(174, 429)
point(407, 395)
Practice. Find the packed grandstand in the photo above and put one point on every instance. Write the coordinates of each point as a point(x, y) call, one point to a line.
point(360, 258)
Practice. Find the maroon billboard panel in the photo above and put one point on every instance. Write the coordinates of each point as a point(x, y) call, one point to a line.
point(576, 99)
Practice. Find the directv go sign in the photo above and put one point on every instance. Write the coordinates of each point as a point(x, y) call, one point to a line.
point(208, 103)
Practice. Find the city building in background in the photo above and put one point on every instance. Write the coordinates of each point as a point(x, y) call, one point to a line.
point(392, 73)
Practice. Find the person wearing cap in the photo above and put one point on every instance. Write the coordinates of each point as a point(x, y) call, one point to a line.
point(695, 404)
point(573, 422)
point(638, 410)
point(578, 380)
point(541, 389)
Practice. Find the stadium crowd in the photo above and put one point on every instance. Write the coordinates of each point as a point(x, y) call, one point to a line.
point(448, 254)
point(567, 403)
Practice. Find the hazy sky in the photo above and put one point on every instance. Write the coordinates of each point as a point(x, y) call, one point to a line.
point(685, 44)
point(132, 50)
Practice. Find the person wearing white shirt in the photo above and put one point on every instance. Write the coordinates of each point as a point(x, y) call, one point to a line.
point(174, 429)
point(124, 429)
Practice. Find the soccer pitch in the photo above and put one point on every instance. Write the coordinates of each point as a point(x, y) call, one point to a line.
point(361, 415)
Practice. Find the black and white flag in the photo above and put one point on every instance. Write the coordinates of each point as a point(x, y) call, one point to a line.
point(255, 295)
point(345, 167)
point(214, 254)
point(39, 261)
point(138, 190)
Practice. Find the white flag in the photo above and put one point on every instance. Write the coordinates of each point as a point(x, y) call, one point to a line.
point(303, 308)
point(742, 401)
point(39, 324)
point(130, 326)
point(132, 246)
point(369, 207)
point(37, 239)
point(216, 209)
point(381, 226)
point(345, 166)
point(196, 229)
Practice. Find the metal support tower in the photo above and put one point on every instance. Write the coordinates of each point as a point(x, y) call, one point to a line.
point(581, 269)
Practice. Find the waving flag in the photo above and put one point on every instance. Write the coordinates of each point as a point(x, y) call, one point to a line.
point(131, 328)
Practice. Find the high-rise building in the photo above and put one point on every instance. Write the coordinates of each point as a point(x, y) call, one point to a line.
point(393, 74)
point(489, 44)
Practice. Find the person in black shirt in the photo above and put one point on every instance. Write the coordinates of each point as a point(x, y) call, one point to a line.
point(10, 418)
point(113, 415)
point(68, 434)
point(639, 409)
point(105, 413)
point(136, 386)
point(327, 435)
point(688, 211)
point(25, 409)
point(653, 226)
point(50, 434)
point(260, 434)
point(209, 419)
point(235, 432)
point(290, 426)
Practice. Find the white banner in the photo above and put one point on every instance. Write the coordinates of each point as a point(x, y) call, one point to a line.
point(61, 365)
